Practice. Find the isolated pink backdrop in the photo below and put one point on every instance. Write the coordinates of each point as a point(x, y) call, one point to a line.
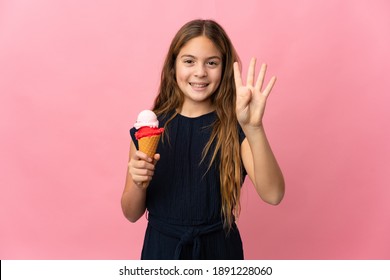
point(74, 75)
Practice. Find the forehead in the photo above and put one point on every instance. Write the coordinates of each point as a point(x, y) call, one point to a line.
point(201, 47)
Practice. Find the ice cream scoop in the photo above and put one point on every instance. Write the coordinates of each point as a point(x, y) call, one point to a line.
point(146, 118)
point(147, 131)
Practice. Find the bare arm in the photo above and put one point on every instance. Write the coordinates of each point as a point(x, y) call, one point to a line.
point(256, 153)
point(262, 167)
point(139, 173)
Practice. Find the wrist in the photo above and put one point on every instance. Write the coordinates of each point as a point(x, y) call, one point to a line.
point(141, 186)
point(252, 129)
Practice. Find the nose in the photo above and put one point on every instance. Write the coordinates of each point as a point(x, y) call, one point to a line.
point(200, 70)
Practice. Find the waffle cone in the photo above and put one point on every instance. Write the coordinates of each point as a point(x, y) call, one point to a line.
point(148, 145)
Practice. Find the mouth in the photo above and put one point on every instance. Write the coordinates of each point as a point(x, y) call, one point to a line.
point(199, 85)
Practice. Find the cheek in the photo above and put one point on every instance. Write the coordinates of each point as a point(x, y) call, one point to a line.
point(181, 75)
point(217, 76)
point(180, 80)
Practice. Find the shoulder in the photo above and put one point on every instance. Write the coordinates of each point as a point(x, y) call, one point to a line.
point(133, 138)
point(164, 117)
point(241, 134)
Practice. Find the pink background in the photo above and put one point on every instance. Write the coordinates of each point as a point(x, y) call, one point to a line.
point(74, 74)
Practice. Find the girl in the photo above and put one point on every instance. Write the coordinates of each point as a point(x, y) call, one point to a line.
point(213, 138)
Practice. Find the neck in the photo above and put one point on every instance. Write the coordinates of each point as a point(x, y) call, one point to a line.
point(196, 110)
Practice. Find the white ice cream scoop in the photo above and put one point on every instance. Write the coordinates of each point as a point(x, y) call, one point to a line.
point(146, 118)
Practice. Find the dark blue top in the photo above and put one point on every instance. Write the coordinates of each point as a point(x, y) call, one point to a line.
point(184, 199)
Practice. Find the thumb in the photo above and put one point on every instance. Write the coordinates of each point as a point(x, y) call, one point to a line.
point(156, 158)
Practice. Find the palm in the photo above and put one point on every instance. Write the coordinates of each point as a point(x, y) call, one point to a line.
point(250, 98)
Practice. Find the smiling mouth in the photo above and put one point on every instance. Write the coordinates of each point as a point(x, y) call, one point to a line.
point(199, 85)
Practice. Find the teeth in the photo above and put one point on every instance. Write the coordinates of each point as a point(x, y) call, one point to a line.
point(198, 85)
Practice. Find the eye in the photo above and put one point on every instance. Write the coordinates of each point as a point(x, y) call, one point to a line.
point(213, 63)
point(188, 61)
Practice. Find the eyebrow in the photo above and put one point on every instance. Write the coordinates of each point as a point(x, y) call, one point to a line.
point(191, 56)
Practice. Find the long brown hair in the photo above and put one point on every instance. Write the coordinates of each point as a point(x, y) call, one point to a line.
point(225, 128)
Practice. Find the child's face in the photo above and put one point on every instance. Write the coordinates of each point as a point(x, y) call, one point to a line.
point(198, 70)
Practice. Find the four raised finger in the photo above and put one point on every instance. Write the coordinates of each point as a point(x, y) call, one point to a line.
point(251, 73)
point(260, 78)
point(237, 75)
point(269, 86)
point(251, 77)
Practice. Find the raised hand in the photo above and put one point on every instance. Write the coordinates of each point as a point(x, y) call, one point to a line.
point(250, 98)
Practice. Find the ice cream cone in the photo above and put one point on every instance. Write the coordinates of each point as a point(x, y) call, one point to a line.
point(148, 145)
